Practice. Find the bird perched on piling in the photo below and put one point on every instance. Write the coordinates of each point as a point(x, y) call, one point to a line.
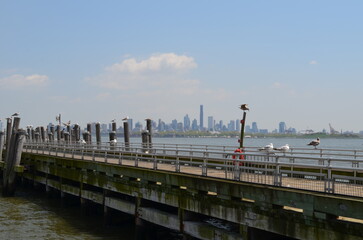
point(314, 142)
point(15, 114)
point(67, 123)
point(113, 120)
point(244, 107)
point(283, 149)
point(125, 118)
point(267, 148)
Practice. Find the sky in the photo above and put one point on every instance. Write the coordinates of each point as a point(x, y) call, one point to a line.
point(295, 61)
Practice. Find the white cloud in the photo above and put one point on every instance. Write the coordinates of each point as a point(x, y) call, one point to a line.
point(21, 81)
point(313, 62)
point(159, 72)
point(159, 62)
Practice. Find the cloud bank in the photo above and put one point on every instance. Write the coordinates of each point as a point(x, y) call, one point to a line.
point(167, 72)
point(20, 81)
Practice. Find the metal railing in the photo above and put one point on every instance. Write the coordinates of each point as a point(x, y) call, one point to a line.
point(328, 170)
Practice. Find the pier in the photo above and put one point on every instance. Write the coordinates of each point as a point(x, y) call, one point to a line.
point(302, 194)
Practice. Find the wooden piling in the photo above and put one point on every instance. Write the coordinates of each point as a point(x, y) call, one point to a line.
point(77, 135)
point(13, 157)
point(89, 129)
point(144, 139)
point(67, 137)
point(126, 135)
point(42, 134)
point(2, 139)
point(98, 133)
point(58, 133)
point(52, 131)
point(33, 134)
point(8, 131)
point(149, 129)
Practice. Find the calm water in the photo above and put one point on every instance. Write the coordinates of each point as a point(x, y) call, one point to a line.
point(31, 215)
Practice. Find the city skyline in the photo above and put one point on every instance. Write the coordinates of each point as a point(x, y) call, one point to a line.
point(290, 61)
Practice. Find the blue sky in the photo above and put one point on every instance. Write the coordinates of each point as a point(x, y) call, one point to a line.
point(295, 61)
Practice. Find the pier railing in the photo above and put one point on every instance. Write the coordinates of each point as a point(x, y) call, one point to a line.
point(330, 171)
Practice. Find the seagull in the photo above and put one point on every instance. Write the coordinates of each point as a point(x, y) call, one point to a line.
point(314, 142)
point(244, 107)
point(113, 120)
point(267, 148)
point(113, 142)
point(125, 118)
point(82, 141)
point(284, 148)
point(67, 123)
point(15, 114)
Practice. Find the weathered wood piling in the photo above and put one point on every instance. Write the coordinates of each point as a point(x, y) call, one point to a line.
point(98, 133)
point(126, 135)
point(13, 156)
point(2, 139)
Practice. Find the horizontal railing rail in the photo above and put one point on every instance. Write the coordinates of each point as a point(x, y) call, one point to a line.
point(324, 173)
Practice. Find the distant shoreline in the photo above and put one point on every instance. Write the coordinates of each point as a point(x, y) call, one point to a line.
point(236, 135)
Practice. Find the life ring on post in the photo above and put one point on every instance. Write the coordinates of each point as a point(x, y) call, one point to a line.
point(241, 157)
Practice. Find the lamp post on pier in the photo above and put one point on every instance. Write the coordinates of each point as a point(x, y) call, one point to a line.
point(245, 108)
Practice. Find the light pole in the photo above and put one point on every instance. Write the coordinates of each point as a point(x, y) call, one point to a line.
point(245, 108)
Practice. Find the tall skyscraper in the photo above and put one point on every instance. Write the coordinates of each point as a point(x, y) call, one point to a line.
point(186, 122)
point(201, 126)
point(210, 123)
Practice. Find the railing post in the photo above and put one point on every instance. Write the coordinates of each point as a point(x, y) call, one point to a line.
point(155, 165)
point(329, 188)
point(277, 174)
point(120, 157)
point(236, 173)
point(105, 155)
point(136, 160)
point(204, 166)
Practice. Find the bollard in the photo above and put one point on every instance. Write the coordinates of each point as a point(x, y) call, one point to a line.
point(98, 133)
point(127, 135)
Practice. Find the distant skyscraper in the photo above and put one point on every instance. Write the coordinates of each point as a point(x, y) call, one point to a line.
point(201, 126)
point(131, 125)
point(186, 122)
point(210, 123)
point(282, 127)
point(195, 125)
point(254, 127)
point(1, 125)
